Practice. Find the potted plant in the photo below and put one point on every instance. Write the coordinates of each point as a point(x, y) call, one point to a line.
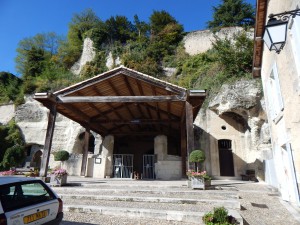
point(197, 157)
point(60, 175)
point(198, 179)
point(219, 217)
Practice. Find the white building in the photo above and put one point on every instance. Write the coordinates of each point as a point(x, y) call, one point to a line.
point(280, 75)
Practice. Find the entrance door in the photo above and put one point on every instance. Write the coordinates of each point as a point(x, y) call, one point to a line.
point(226, 158)
point(123, 165)
point(148, 167)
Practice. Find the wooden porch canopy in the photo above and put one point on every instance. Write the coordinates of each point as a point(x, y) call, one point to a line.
point(261, 9)
point(124, 102)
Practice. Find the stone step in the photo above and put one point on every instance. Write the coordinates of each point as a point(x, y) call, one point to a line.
point(231, 204)
point(216, 194)
point(168, 215)
point(204, 206)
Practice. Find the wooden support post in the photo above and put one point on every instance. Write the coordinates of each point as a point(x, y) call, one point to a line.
point(189, 129)
point(48, 141)
point(85, 151)
point(183, 149)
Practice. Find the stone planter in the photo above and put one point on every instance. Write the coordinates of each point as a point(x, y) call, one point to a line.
point(59, 181)
point(199, 183)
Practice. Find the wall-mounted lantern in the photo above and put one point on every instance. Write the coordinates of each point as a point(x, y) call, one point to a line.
point(276, 29)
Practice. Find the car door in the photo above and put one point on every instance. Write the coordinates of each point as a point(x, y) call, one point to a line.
point(29, 203)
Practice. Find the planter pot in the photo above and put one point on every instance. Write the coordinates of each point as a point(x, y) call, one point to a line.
point(199, 183)
point(59, 181)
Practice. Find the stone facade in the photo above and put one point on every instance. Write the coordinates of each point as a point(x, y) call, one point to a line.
point(280, 76)
point(236, 116)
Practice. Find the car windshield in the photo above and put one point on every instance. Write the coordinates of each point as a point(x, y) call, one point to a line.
point(18, 195)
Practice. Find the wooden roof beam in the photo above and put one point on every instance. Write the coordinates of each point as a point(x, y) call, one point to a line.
point(110, 105)
point(137, 121)
point(132, 93)
point(120, 99)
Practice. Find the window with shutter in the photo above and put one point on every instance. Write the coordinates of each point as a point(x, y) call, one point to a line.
point(275, 101)
point(295, 41)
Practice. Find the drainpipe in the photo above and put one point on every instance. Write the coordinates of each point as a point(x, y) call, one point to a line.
point(292, 169)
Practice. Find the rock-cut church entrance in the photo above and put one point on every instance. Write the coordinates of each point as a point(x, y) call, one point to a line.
point(225, 158)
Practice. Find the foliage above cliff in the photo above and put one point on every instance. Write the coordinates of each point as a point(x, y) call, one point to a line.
point(232, 13)
point(230, 59)
point(45, 59)
point(9, 87)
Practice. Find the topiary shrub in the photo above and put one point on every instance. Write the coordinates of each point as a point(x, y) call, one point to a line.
point(61, 155)
point(197, 156)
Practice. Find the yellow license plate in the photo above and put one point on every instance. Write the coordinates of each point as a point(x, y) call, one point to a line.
point(35, 216)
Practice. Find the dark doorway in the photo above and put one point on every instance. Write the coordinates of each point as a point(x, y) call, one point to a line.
point(91, 144)
point(138, 146)
point(225, 158)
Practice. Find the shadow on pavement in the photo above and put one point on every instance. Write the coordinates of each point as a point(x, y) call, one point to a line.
point(75, 223)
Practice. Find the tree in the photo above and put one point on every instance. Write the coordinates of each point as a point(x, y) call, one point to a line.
point(13, 156)
point(232, 13)
point(235, 54)
point(9, 87)
point(159, 19)
point(39, 47)
point(197, 156)
point(80, 24)
point(12, 145)
point(142, 28)
point(119, 28)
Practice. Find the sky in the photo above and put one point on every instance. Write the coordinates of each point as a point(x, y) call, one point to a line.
point(21, 19)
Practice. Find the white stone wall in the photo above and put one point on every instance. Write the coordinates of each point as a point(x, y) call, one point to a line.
point(7, 112)
point(200, 41)
point(212, 124)
point(285, 129)
point(168, 170)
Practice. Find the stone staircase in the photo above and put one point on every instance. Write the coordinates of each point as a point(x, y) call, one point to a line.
point(164, 200)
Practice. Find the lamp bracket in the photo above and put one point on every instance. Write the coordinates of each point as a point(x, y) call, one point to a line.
point(285, 16)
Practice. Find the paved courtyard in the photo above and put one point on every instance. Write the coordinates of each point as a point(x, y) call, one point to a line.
point(260, 204)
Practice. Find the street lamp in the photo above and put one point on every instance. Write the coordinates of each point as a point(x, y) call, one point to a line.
point(276, 29)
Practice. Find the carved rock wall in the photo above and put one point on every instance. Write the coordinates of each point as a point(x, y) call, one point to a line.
point(237, 114)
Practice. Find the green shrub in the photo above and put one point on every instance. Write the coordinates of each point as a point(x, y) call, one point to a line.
point(197, 156)
point(13, 157)
point(218, 217)
point(61, 155)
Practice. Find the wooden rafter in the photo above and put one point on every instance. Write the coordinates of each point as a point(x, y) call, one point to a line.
point(120, 99)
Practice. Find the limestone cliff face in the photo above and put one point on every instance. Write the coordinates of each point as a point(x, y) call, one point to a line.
point(200, 41)
point(32, 118)
point(194, 43)
point(242, 102)
point(236, 114)
point(88, 54)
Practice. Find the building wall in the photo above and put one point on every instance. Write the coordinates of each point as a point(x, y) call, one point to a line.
point(285, 122)
point(213, 128)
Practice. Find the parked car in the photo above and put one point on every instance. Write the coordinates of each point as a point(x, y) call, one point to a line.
point(28, 201)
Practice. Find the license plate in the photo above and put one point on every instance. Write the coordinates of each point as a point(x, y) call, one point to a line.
point(35, 216)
